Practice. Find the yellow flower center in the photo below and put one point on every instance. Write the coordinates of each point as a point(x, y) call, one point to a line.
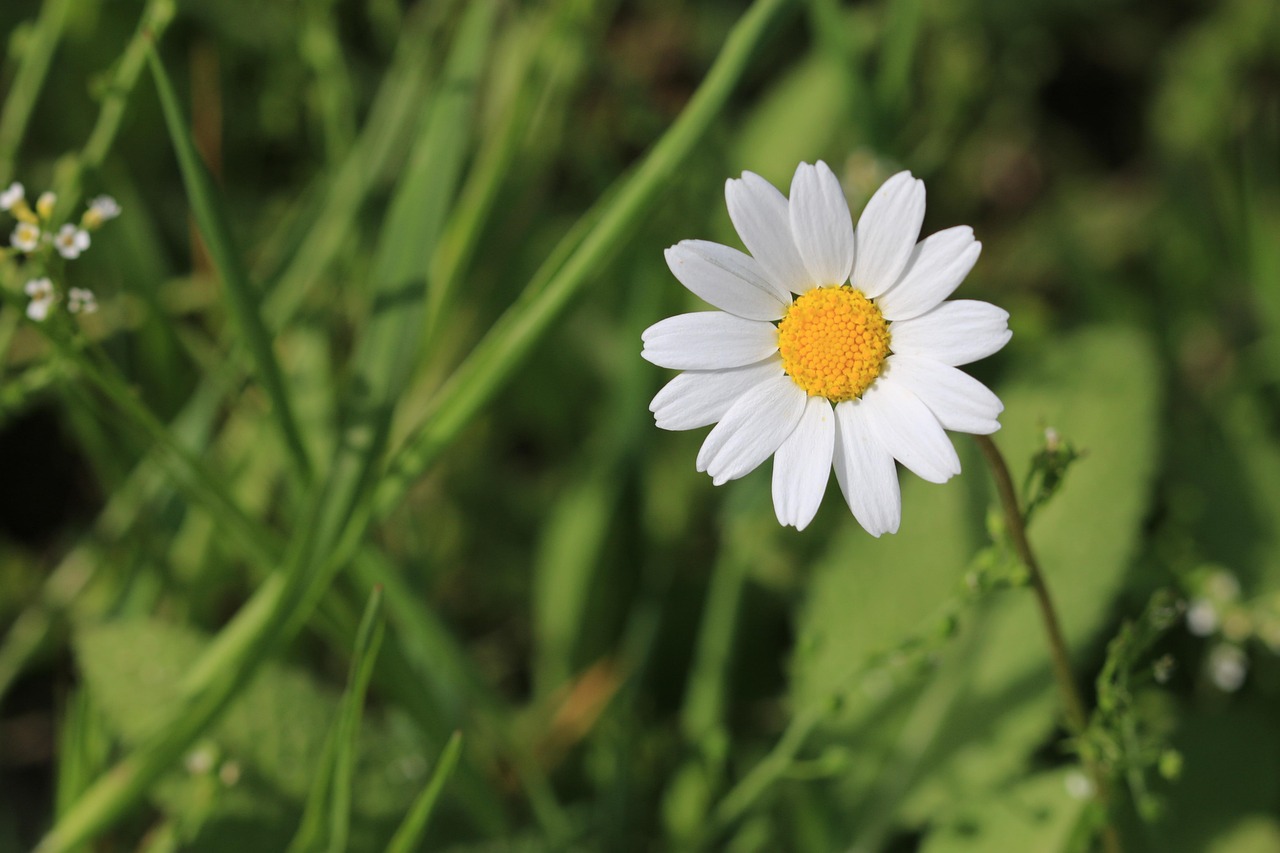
point(833, 342)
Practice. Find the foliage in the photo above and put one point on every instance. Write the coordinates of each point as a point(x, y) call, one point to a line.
point(367, 343)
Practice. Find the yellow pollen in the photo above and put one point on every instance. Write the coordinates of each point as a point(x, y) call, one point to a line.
point(833, 342)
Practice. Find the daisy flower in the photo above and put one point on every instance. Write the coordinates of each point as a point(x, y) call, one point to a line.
point(71, 241)
point(832, 347)
point(25, 237)
point(41, 292)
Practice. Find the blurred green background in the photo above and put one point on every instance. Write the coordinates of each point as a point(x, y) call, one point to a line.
point(636, 660)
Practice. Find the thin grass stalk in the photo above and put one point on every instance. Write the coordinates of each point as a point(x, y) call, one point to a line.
point(411, 833)
point(242, 298)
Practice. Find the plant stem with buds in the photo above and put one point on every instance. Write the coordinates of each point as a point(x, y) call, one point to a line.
point(1077, 715)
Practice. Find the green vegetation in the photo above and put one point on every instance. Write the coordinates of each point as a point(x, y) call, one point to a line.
point(342, 523)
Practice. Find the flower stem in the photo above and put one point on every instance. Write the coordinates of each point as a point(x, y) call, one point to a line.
point(1077, 715)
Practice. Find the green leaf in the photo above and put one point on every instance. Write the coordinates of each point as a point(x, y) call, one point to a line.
point(276, 729)
point(1228, 775)
point(1035, 814)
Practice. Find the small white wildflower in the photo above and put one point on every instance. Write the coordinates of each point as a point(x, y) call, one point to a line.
point(1202, 617)
point(200, 761)
point(45, 204)
point(1078, 785)
point(71, 241)
point(81, 301)
point(104, 207)
point(1228, 667)
point(41, 292)
point(14, 194)
point(25, 237)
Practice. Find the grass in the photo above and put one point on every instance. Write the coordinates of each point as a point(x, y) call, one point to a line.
point(343, 524)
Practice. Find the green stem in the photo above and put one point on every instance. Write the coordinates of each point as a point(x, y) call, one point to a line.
point(493, 361)
point(22, 95)
point(1077, 715)
point(154, 21)
point(703, 712)
point(766, 772)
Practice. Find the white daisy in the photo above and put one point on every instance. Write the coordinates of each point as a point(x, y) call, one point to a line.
point(25, 237)
point(11, 196)
point(42, 298)
point(855, 371)
point(71, 241)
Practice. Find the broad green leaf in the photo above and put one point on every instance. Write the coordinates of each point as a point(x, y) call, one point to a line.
point(276, 729)
point(1253, 833)
point(868, 595)
point(1037, 814)
point(1228, 776)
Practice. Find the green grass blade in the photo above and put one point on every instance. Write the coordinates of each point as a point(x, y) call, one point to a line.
point(330, 793)
point(504, 347)
point(408, 837)
point(83, 749)
point(212, 220)
point(365, 655)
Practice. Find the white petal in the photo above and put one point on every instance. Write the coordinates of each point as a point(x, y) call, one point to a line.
point(959, 401)
point(802, 465)
point(821, 225)
point(759, 213)
point(937, 265)
point(909, 431)
point(700, 397)
point(866, 472)
point(708, 340)
point(752, 429)
point(887, 232)
point(728, 279)
point(955, 333)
